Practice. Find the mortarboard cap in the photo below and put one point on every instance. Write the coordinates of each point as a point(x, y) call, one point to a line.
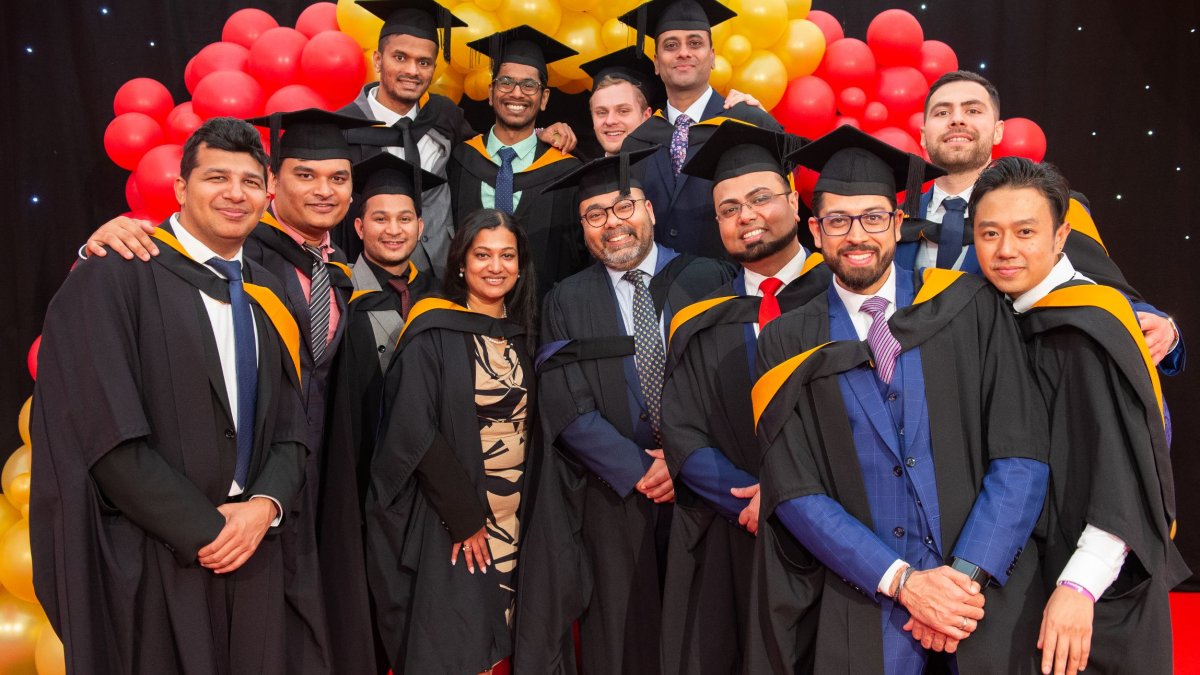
point(311, 133)
point(387, 174)
point(737, 148)
point(612, 173)
point(418, 18)
point(524, 45)
point(851, 162)
point(659, 16)
point(632, 65)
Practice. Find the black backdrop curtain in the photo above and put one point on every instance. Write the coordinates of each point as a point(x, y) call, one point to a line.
point(1111, 83)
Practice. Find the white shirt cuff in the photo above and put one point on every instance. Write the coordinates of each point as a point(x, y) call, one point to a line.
point(885, 584)
point(1097, 561)
point(278, 509)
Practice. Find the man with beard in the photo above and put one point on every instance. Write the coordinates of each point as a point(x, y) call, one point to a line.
point(708, 429)
point(903, 468)
point(962, 125)
point(600, 373)
point(684, 59)
point(507, 167)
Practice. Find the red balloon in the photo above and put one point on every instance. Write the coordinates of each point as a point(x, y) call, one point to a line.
point(333, 66)
point(848, 63)
point(897, 138)
point(215, 57)
point(828, 24)
point(902, 89)
point(32, 359)
point(807, 107)
point(132, 198)
point(230, 93)
point(806, 182)
point(937, 59)
point(845, 121)
point(916, 122)
point(247, 25)
point(182, 122)
point(294, 97)
point(874, 117)
point(155, 176)
point(275, 58)
point(1022, 138)
point(852, 101)
point(130, 136)
point(317, 18)
point(143, 95)
point(895, 37)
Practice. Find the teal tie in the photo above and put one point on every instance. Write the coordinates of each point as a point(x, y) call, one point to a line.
point(650, 355)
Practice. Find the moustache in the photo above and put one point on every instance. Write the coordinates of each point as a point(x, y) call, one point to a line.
point(619, 231)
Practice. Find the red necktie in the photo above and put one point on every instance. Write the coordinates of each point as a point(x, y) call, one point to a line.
point(400, 285)
point(768, 309)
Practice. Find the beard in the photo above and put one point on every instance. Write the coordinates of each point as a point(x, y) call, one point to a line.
point(627, 258)
point(859, 278)
point(763, 249)
point(975, 159)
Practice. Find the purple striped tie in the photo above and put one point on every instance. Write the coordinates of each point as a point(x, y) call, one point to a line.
point(883, 344)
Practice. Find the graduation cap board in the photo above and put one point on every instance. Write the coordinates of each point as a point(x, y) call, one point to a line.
point(387, 174)
point(524, 45)
point(659, 16)
point(612, 173)
point(737, 148)
point(418, 18)
point(632, 65)
point(851, 162)
point(312, 134)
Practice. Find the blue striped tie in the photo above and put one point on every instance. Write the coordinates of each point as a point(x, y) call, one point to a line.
point(246, 362)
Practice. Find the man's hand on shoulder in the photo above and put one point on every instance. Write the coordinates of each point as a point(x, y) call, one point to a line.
point(127, 236)
point(560, 136)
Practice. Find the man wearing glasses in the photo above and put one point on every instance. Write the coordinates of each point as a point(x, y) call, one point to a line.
point(904, 453)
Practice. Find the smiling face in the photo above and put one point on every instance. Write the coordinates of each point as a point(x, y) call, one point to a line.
point(390, 229)
point(684, 59)
point(312, 195)
point(767, 230)
point(1016, 238)
point(222, 198)
point(491, 266)
point(517, 110)
point(617, 109)
point(858, 259)
point(405, 65)
point(961, 126)
point(620, 244)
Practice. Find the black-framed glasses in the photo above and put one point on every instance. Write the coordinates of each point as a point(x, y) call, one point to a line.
point(597, 216)
point(873, 222)
point(731, 210)
point(505, 84)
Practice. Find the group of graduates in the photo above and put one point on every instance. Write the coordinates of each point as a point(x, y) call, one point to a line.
point(606, 416)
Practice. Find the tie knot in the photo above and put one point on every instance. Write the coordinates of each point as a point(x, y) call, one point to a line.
point(683, 121)
point(770, 286)
point(507, 154)
point(403, 123)
point(957, 204)
point(230, 269)
point(875, 306)
point(314, 252)
point(635, 277)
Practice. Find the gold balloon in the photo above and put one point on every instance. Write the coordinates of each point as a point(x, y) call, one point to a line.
point(762, 21)
point(579, 5)
point(479, 24)
point(720, 33)
point(475, 84)
point(616, 35)
point(763, 76)
point(798, 9)
point(21, 625)
point(23, 421)
point(542, 15)
point(369, 58)
point(737, 49)
point(18, 491)
point(9, 515)
point(721, 73)
point(488, 5)
point(359, 24)
point(17, 463)
point(449, 84)
point(801, 48)
point(577, 86)
point(16, 562)
point(610, 9)
point(581, 33)
point(48, 652)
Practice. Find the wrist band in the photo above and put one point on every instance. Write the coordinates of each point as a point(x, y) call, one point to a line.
point(903, 580)
point(1076, 587)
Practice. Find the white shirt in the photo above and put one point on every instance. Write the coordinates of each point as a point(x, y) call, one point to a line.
point(431, 152)
point(926, 249)
point(854, 302)
point(1098, 556)
point(624, 289)
point(695, 111)
point(787, 274)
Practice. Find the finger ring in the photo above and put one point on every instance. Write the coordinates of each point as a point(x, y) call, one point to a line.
point(963, 626)
point(466, 547)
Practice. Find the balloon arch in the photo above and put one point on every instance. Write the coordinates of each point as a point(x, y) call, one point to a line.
point(795, 60)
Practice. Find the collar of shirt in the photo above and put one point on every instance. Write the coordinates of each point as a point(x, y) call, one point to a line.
point(524, 148)
point(787, 274)
point(385, 114)
point(853, 302)
point(648, 265)
point(1062, 272)
point(938, 196)
point(195, 248)
point(324, 246)
point(694, 111)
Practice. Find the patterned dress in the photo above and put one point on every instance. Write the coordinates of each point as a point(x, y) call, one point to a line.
point(500, 401)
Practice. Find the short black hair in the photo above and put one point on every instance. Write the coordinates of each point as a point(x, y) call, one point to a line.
point(965, 76)
point(223, 133)
point(818, 201)
point(1017, 173)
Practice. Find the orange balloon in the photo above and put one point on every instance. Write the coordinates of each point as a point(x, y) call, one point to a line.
point(23, 421)
point(450, 85)
point(16, 562)
point(48, 652)
point(18, 491)
point(17, 463)
point(542, 15)
point(763, 76)
point(737, 49)
point(9, 515)
point(581, 33)
point(475, 84)
point(359, 24)
point(720, 75)
point(21, 625)
point(801, 48)
point(369, 58)
point(762, 21)
point(479, 24)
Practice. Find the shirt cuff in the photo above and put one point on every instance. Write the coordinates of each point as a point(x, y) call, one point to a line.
point(278, 508)
point(1175, 328)
point(1097, 561)
point(885, 584)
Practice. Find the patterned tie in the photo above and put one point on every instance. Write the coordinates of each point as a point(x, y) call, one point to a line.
point(883, 344)
point(400, 285)
point(411, 154)
point(768, 309)
point(679, 142)
point(246, 366)
point(950, 239)
point(651, 357)
point(318, 304)
point(504, 181)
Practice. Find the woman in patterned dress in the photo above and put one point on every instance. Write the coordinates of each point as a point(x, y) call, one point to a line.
point(445, 505)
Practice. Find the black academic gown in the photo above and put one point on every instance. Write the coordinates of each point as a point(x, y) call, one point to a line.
point(1110, 466)
point(550, 220)
point(434, 617)
point(806, 618)
point(683, 206)
point(706, 404)
point(622, 539)
point(116, 571)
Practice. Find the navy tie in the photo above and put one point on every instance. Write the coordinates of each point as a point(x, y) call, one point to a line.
point(950, 240)
point(246, 366)
point(504, 180)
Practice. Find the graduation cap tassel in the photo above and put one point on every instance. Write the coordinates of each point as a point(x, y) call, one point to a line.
point(912, 187)
point(623, 174)
point(641, 29)
point(276, 122)
point(446, 22)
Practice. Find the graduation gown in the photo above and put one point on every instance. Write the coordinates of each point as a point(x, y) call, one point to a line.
point(434, 617)
point(981, 408)
point(1110, 466)
point(706, 404)
point(550, 220)
point(121, 586)
point(683, 205)
point(622, 537)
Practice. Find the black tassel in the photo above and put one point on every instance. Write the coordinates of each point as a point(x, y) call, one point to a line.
point(912, 189)
point(276, 121)
point(623, 174)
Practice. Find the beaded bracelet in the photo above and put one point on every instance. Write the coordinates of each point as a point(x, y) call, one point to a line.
point(1076, 587)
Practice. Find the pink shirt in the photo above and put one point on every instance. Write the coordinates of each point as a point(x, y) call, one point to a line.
point(325, 247)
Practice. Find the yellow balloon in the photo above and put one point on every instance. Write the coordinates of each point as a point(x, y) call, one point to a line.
point(475, 84)
point(542, 15)
point(450, 85)
point(489, 5)
point(763, 76)
point(359, 24)
point(21, 625)
point(479, 24)
point(616, 35)
point(9, 515)
point(720, 33)
point(579, 5)
point(577, 86)
point(762, 21)
point(737, 49)
point(369, 58)
point(801, 48)
point(23, 421)
point(798, 9)
point(581, 33)
point(16, 562)
point(610, 9)
point(48, 652)
point(720, 75)
point(17, 492)
point(17, 463)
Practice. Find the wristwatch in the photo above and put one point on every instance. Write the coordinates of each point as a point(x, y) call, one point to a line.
point(975, 572)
